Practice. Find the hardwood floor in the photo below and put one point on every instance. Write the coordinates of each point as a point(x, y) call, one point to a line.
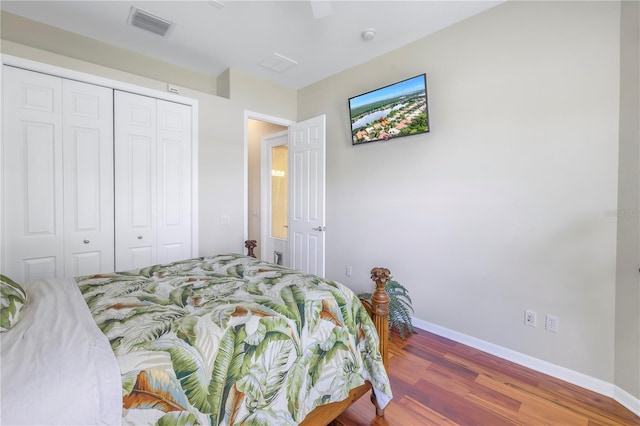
point(436, 381)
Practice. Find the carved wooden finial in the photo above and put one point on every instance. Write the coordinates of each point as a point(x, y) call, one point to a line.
point(380, 298)
point(380, 276)
point(250, 245)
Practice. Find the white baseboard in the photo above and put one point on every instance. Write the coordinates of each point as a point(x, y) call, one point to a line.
point(627, 400)
point(562, 373)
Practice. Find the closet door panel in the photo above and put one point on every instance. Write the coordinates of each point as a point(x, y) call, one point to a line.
point(32, 175)
point(40, 155)
point(135, 181)
point(140, 151)
point(88, 178)
point(174, 182)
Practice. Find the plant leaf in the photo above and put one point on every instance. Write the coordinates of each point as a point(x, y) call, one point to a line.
point(156, 388)
point(180, 418)
point(217, 389)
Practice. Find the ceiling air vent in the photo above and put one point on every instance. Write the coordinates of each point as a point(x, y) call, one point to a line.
point(149, 22)
point(278, 63)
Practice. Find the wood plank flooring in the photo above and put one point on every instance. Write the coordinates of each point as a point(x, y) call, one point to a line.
point(436, 381)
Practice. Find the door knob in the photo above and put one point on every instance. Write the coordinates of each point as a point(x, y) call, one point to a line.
point(319, 228)
point(86, 241)
point(139, 237)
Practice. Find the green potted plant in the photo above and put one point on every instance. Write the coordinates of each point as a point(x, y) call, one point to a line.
point(400, 307)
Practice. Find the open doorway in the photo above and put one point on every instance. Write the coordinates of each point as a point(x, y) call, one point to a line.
point(258, 127)
point(275, 198)
point(306, 141)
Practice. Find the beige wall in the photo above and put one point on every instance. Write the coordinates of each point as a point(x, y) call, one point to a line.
point(502, 207)
point(627, 349)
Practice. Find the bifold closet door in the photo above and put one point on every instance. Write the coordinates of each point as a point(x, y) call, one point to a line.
point(88, 178)
point(174, 182)
point(32, 209)
point(57, 177)
point(135, 181)
point(152, 181)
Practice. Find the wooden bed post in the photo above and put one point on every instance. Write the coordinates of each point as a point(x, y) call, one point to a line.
point(250, 245)
point(380, 314)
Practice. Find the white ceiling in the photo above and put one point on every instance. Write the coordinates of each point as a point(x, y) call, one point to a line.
point(242, 33)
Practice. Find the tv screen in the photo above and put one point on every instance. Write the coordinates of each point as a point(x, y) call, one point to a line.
point(396, 110)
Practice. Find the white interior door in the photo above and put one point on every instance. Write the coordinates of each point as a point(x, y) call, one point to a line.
point(307, 142)
point(88, 178)
point(32, 239)
point(274, 196)
point(153, 181)
point(174, 182)
point(135, 181)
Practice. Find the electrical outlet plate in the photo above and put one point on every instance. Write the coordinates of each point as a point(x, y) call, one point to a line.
point(552, 323)
point(529, 318)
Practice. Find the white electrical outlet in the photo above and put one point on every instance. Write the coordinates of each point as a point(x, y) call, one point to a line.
point(349, 271)
point(552, 323)
point(529, 318)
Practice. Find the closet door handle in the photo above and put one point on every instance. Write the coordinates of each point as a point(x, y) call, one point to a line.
point(139, 237)
point(86, 241)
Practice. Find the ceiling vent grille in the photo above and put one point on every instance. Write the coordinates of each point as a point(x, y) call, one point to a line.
point(278, 63)
point(149, 22)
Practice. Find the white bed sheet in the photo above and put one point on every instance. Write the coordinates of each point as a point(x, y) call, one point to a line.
point(56, 366)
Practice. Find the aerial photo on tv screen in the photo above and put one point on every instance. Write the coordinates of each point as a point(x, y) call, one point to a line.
point(396, 110)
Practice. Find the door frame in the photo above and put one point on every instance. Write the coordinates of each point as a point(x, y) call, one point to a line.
point(252, 115)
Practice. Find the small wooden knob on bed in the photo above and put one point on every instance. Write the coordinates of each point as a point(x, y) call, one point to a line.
point(250, 245)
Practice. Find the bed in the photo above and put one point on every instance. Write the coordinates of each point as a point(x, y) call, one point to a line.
point(225, 339)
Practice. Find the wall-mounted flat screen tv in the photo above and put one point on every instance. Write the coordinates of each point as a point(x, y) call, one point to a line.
point(396, 110)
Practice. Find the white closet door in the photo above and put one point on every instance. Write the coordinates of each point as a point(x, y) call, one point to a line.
point(174, 182)
point(88, 178)
point(32, 175)
point(135, 181)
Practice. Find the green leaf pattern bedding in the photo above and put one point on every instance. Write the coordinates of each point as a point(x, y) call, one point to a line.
point(231, 340)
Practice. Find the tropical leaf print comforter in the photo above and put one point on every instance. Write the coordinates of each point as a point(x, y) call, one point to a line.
point(230, 340)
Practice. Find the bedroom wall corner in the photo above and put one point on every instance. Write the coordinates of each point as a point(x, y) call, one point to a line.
point(223, 84)
point(627, 335)
point(262, 96)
